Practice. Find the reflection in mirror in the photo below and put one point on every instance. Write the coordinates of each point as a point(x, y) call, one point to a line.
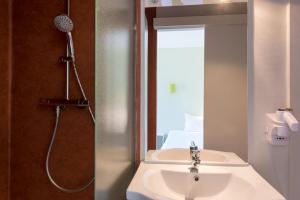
point(197, 77)
point(180, 87)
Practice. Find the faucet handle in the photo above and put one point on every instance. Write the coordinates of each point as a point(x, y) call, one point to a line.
point(193, 149)
point(193, 146)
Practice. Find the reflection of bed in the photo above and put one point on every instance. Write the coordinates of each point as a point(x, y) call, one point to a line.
point(182, 139)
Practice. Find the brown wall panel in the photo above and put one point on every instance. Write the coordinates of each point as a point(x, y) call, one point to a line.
point(152, 58)
point(5, 86)
point(37, 73)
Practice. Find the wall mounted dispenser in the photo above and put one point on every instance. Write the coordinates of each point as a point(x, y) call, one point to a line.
point(279, 126)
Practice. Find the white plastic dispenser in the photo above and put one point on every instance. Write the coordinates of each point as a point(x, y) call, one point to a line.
point(279, 126)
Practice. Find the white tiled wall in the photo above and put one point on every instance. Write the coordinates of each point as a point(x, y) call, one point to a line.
point(268, 85)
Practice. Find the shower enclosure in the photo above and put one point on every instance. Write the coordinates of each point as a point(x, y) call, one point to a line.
point(65, 24)
point(115, 49)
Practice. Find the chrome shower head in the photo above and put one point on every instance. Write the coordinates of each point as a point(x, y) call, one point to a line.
point(63, 23)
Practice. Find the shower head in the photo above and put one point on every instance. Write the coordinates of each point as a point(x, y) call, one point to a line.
point(63, 23)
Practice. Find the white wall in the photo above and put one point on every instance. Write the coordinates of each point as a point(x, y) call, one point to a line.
point(183, 67)
point(268, 50)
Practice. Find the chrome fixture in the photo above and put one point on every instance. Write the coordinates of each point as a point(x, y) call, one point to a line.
point(64, 23)
point(195, 153)
point(195, 157)
point(193, 147)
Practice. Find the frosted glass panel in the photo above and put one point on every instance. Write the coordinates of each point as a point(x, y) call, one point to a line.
point(114, 98)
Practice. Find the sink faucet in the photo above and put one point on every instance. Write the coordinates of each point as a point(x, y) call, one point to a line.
point(195, 157)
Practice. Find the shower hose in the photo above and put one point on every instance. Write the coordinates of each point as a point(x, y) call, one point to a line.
point(58, 112)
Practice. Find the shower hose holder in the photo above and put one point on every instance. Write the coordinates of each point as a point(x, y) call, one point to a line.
point(65, 59)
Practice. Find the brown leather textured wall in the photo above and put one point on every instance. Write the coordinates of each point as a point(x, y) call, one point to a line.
point(37, 45)
point(5, 80)
point(152, 58)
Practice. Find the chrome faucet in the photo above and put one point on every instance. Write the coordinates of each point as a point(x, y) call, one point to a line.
point(195, 157)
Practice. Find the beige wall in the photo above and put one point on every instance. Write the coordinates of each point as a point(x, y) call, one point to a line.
point(294, 149)
point(268, 51)
point(161, 3)
point(202, 10)
point(225, 98)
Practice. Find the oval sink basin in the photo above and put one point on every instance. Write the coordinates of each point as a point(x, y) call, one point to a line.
point(176, 182)
point(217, 185)
point(182, 156)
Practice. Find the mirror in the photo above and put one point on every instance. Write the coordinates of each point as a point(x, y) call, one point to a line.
point(197, 77)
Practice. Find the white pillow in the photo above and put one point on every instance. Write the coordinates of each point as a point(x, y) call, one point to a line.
point(193, 123)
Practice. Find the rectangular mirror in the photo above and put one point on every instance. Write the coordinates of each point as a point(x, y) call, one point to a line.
point(197, 77)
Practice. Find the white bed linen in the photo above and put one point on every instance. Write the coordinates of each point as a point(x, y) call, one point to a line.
point(183, 139)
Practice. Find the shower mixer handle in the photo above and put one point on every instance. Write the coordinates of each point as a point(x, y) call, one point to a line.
point(80, 103)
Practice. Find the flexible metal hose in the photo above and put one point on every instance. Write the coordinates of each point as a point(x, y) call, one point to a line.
point(82, 90)
point(58, 112)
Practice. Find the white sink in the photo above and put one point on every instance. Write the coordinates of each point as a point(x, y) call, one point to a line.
point(182, 185)
point(182, 156)
point(175, 182)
